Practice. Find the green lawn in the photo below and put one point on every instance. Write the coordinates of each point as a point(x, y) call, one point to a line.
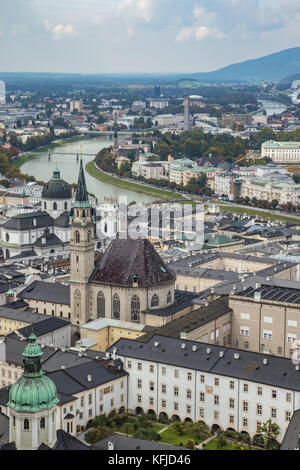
point(212, 445)
point(138, 188)
point(20, 161)
point(171, 437)
point(157, 427)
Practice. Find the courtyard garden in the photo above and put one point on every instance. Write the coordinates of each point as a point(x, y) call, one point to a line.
point(179, 434)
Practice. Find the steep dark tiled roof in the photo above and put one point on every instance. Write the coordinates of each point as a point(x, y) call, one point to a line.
point(67, 442)
point(130, 443)
point(47, 291)
point(291, 440)
point(34, 220)
point(125, 258)
point(63, 221)
point(43, 327)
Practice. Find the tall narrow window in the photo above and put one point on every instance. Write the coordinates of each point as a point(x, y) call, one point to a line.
point(101, 305)
point(155, 301)
point(26, 424)
point(135, 309)
point(43, 423)
point(77, 237)
point(116, 307)
point(169, 298)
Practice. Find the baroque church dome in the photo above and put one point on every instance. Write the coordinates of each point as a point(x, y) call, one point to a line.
point(57, 188)
point(33, 391)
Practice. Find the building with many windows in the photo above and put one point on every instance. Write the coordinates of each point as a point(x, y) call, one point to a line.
point(281, 152)
point(222, 387)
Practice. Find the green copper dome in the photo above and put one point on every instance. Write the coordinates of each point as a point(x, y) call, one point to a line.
point(33, 391)
point(57, 188)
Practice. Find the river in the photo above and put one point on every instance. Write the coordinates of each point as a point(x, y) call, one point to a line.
point(41, 168)
point(272, 107)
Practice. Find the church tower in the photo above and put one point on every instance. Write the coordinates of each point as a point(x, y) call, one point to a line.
point(32, 403)
point(116, 144)
point(82, 224)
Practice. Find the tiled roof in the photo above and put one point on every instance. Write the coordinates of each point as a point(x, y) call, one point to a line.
point(47, 292)
point(124, 259)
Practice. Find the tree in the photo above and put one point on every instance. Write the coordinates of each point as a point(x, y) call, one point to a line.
point(221, 439)
point(125, 168)
point(190, 444)
point(96, 434)
point(131, 155)
point(147, 434)
point(296, 178)
point(268, 432)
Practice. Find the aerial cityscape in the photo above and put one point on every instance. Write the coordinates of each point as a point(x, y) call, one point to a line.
point(150, 227)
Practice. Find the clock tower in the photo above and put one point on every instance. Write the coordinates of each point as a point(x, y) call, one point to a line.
point(82, 242)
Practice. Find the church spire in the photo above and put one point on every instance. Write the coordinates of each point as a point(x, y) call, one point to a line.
point(82, 196)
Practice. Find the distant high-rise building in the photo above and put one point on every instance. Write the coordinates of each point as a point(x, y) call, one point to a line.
point(76, 104)
point(2, 92)
point(186, 104)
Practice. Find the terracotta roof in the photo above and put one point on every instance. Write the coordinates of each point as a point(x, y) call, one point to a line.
point(125, 258)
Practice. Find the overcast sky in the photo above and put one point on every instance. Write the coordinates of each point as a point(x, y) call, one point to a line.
point(120, 36)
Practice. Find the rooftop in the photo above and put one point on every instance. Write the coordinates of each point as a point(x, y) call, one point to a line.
point(47, 292)
point(193, 355)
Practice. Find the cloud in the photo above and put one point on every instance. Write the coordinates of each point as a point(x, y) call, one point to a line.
point(203, 32)
point(199, 33)
point(60, 30)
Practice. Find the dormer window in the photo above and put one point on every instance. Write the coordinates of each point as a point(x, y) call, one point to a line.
point(135, 279)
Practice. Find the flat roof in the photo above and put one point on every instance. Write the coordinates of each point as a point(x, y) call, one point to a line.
point(105, 322)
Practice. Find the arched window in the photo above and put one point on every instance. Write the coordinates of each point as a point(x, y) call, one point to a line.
point(7, 237)
point(55, 206)
point(66, 206)
point(42, 423)
point(135, 309)
point(105, 228)
point(116, 307)
point(26, 424)
point(169, 297)
point(45, 205)
point(89, 236)
point(77, 237)
point(100, 305)
point(155, 301)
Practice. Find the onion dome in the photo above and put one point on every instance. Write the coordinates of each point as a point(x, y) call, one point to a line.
point(57, 188)
point(33, 391)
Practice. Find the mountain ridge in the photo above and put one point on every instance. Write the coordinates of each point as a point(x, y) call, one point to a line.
point(272, 67)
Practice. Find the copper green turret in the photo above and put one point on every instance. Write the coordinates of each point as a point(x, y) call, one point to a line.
point(33, 391)
point(82, 197)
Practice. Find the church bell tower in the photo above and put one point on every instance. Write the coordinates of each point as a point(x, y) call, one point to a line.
point(82, 224)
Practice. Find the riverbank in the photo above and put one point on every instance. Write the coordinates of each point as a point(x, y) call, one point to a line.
point(128, 185)
point(263, 213)
point(27, 156)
